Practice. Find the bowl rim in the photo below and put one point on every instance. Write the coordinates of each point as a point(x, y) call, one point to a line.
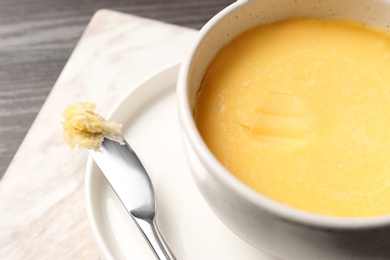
point(222, 174)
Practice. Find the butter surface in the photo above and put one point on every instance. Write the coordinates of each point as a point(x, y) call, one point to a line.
point(86, 129)
point(300, 111)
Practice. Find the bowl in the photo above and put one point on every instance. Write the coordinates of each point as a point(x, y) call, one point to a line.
point(279, 230)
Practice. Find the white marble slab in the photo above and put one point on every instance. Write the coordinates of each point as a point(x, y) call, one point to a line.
point(42, 206)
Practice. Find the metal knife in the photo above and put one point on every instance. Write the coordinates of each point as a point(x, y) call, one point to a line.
point(130, 181)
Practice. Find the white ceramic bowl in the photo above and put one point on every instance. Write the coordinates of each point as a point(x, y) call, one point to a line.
point(279, 230)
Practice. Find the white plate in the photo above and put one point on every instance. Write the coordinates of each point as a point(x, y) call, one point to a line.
point(185, 220)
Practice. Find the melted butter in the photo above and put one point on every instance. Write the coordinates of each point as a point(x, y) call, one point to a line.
point(300, 111)
point(86, 129)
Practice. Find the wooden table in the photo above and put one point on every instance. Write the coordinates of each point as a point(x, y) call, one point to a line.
point(42, 193)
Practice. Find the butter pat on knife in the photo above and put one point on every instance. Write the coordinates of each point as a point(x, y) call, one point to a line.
point(86, 129)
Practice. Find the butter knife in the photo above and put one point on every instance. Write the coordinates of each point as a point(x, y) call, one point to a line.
point(131, 183)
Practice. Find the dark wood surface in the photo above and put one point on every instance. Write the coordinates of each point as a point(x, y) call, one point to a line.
point(37, 38)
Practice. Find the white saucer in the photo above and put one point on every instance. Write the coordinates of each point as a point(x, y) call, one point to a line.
point(185, 220)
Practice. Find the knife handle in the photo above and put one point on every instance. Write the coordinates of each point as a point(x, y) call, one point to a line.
point(154, 238)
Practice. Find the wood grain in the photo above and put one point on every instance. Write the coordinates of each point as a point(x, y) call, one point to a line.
point(37, 38)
